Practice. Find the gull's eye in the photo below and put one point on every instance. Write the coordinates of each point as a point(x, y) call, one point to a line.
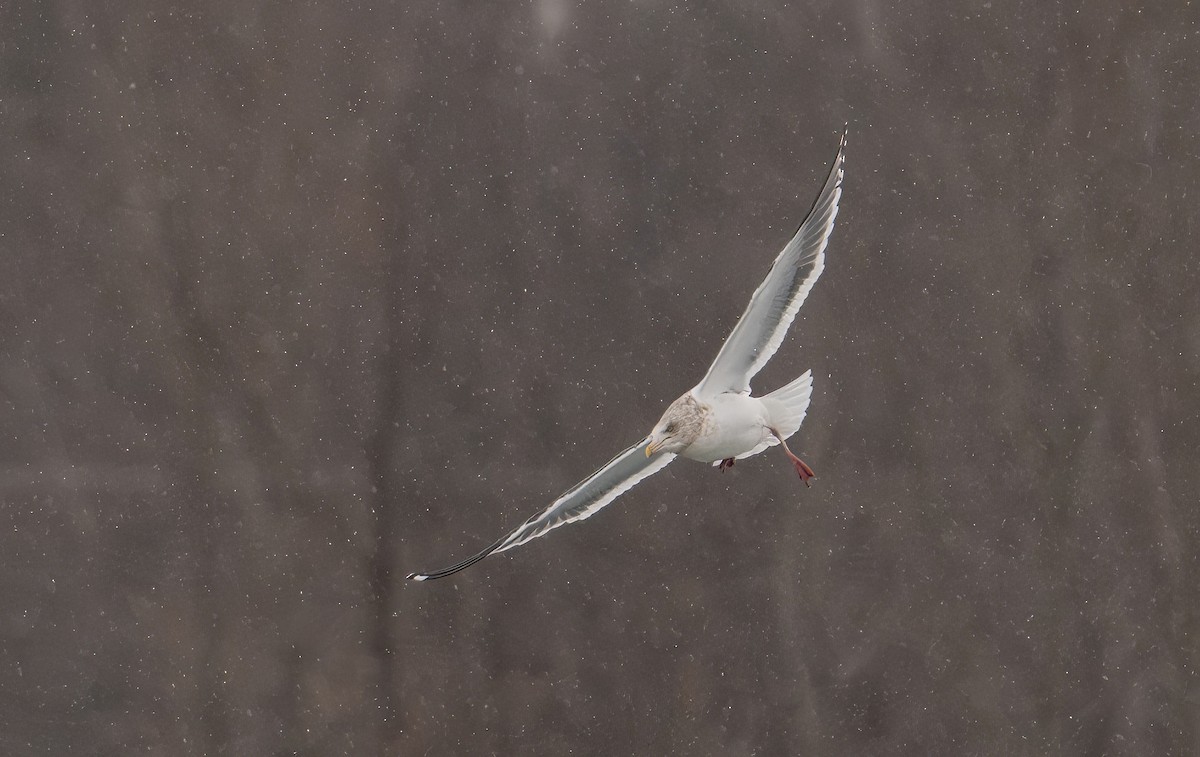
point(670, 428)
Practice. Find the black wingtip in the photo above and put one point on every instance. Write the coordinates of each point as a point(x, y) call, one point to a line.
point(457, 566)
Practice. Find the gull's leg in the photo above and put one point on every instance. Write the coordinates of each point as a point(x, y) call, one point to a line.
point(802, 468)
point(726, 463)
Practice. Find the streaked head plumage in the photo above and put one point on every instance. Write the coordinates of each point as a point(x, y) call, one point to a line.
point(679, 426)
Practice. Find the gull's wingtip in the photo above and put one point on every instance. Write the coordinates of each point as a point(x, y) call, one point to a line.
point(460, 566)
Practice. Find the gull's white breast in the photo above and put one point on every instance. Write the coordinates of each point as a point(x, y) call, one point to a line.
point(734, 425)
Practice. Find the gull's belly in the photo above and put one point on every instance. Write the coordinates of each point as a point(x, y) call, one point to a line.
point(735, 425)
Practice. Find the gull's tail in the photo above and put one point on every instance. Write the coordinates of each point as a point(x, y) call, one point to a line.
point(789, 405)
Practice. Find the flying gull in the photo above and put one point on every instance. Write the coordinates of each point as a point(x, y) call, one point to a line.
point(717, 421)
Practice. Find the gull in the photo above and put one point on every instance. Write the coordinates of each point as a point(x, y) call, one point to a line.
point(717, 421)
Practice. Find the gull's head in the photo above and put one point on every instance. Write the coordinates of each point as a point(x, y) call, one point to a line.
point(678, 428)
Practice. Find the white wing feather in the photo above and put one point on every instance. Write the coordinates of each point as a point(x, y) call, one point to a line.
point(579, 502)
point(773, 307)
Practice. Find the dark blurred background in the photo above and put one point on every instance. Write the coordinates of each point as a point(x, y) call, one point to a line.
point(299, 297)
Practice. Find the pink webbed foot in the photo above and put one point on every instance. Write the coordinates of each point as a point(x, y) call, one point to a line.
point(803, 470)
point(726, 463)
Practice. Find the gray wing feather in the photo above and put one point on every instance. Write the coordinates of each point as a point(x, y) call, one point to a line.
point(773, 307)
point(581, 501)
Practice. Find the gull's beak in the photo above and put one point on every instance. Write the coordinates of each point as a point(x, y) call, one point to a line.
point(650, 448)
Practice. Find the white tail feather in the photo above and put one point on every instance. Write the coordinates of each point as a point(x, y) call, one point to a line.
point(789, 405)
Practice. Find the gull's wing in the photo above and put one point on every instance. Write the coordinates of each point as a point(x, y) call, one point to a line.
point(762, 327)
point(579, 502)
